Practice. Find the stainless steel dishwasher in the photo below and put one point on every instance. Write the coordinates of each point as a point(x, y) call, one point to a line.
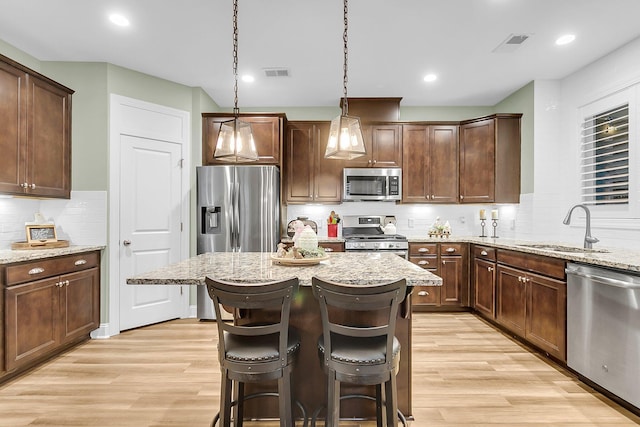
point(603, 328)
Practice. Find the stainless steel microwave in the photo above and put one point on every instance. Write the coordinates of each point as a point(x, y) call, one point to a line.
point(381, 184)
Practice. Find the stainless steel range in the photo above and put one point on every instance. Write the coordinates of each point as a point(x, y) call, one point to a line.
point(367, 233)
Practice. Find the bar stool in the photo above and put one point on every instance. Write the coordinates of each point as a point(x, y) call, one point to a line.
point(363, 354)
point(255, 352)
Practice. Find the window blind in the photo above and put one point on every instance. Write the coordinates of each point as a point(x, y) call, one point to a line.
point(604, 163)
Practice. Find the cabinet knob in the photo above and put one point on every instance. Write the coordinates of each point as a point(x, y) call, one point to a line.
point(423, 293)
point(489, 268)
point(484, 253)
point(375, 161)
point(126, 242)
point(461, 197)
point(444, 262)
point(66, 282)
point(24, 185)
point(369, 162)
point(33, 186)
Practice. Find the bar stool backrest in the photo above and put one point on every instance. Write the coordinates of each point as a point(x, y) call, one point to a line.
point(271, 295)
point(384, 298)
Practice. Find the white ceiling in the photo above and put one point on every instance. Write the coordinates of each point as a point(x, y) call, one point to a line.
point(392, 44)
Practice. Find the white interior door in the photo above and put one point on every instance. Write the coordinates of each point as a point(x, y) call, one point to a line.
point(149, 192)
point(150, 219)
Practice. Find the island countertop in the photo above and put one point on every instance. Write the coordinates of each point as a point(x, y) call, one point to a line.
point(344, 267)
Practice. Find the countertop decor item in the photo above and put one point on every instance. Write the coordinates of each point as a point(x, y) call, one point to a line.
point(345, 135)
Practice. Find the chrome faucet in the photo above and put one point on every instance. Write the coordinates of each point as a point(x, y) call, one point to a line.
point(588, 239)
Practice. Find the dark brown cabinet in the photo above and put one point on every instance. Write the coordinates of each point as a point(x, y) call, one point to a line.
point(531, 299)
point(48, 305)
point(35, 138)
point(383, 143)
point(267, 132)
point(490, 159)
point(484, 280)
point(308, 176)
point(429, 163)
point(447, 260)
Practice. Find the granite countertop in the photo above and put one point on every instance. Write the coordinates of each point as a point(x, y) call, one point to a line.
point(8, 256)
point(321, 240)
point(623, 259)
point(350, 268)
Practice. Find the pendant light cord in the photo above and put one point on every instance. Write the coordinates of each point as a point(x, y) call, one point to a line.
point(345, 103)
point(236, 111)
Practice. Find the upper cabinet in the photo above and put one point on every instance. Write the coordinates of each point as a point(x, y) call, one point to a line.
point(307, 175)
point(267, 129)
point(429, 163)
point(383, 143)
point(35, 138)
point(490, 159)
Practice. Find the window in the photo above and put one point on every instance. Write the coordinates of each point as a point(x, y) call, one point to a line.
point(604, 166)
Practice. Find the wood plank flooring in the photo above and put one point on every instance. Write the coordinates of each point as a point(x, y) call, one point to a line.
point(465, 374)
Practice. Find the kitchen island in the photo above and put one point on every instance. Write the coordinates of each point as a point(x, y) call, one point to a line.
point(309, 380)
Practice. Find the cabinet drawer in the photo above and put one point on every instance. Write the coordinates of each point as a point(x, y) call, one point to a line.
point(552, 267)
point(425, 295)
point(420, 249)
point(333, 246)
point(451, 248)
point(484, 252)
point(34, 270)
point(426, 262)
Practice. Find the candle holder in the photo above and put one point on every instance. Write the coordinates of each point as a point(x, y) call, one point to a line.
point(494, 223)
point(482, 224)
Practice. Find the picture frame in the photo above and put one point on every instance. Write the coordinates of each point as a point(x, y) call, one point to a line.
point(41, 233)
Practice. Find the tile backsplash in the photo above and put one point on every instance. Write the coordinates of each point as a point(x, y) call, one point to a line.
point(82, 219)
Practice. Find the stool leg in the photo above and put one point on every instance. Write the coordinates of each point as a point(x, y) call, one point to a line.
point(392, 401)
point(225, 400)
point(238, 416)
point(379, 407)
point(333, 401)
point(284, 399)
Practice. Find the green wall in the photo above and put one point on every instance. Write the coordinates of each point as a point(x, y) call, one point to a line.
point(522, 101)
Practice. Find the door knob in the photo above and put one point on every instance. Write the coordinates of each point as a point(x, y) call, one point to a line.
point(126, 242)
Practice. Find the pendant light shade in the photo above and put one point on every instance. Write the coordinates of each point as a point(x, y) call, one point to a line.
point(345, 136)
point(235, 140)
point(345, 139)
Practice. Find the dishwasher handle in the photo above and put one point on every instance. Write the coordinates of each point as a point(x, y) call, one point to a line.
point(604, 280)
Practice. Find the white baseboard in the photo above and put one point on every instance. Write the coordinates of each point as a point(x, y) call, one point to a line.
point(101, 333)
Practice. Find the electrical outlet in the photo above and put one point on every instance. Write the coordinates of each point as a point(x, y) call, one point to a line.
point(410, 222)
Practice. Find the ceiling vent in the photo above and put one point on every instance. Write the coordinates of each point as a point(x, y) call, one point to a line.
point(276, 72)
point(512, 43)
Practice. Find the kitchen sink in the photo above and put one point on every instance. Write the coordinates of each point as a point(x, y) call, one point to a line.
point(561, 248)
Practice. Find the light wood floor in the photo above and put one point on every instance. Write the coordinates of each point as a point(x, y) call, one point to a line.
point(465, 374)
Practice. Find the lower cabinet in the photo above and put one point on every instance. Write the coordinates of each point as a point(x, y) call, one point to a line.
point(447, 260)
point(531, 299)
point(484, 281)
point(46, 315)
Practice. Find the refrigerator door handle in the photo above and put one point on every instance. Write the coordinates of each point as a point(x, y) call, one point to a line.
point(236, 217)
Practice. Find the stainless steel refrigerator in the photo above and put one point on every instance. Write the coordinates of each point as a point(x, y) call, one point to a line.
point(238, 210)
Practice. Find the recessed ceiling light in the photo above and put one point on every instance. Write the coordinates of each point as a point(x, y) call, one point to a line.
point(565, 39)
point(119, 20)
point(430, 78)
point(247, 78)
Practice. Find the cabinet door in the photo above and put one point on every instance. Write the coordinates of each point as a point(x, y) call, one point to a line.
point(13, 87)
point(48, 140)
point(386, 149)
point(546, 314)
point(79, 303)
point(415, 164)
point(299, 163)
point(511, 299)
point(442, 171)
point(451, 271)
point(484, 287)
point(328, 172)
point(32, 319)
point(267, 135)
point(477, 162)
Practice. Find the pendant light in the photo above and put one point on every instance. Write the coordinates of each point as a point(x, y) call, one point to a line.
point(235, 140)
point(345, 135)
